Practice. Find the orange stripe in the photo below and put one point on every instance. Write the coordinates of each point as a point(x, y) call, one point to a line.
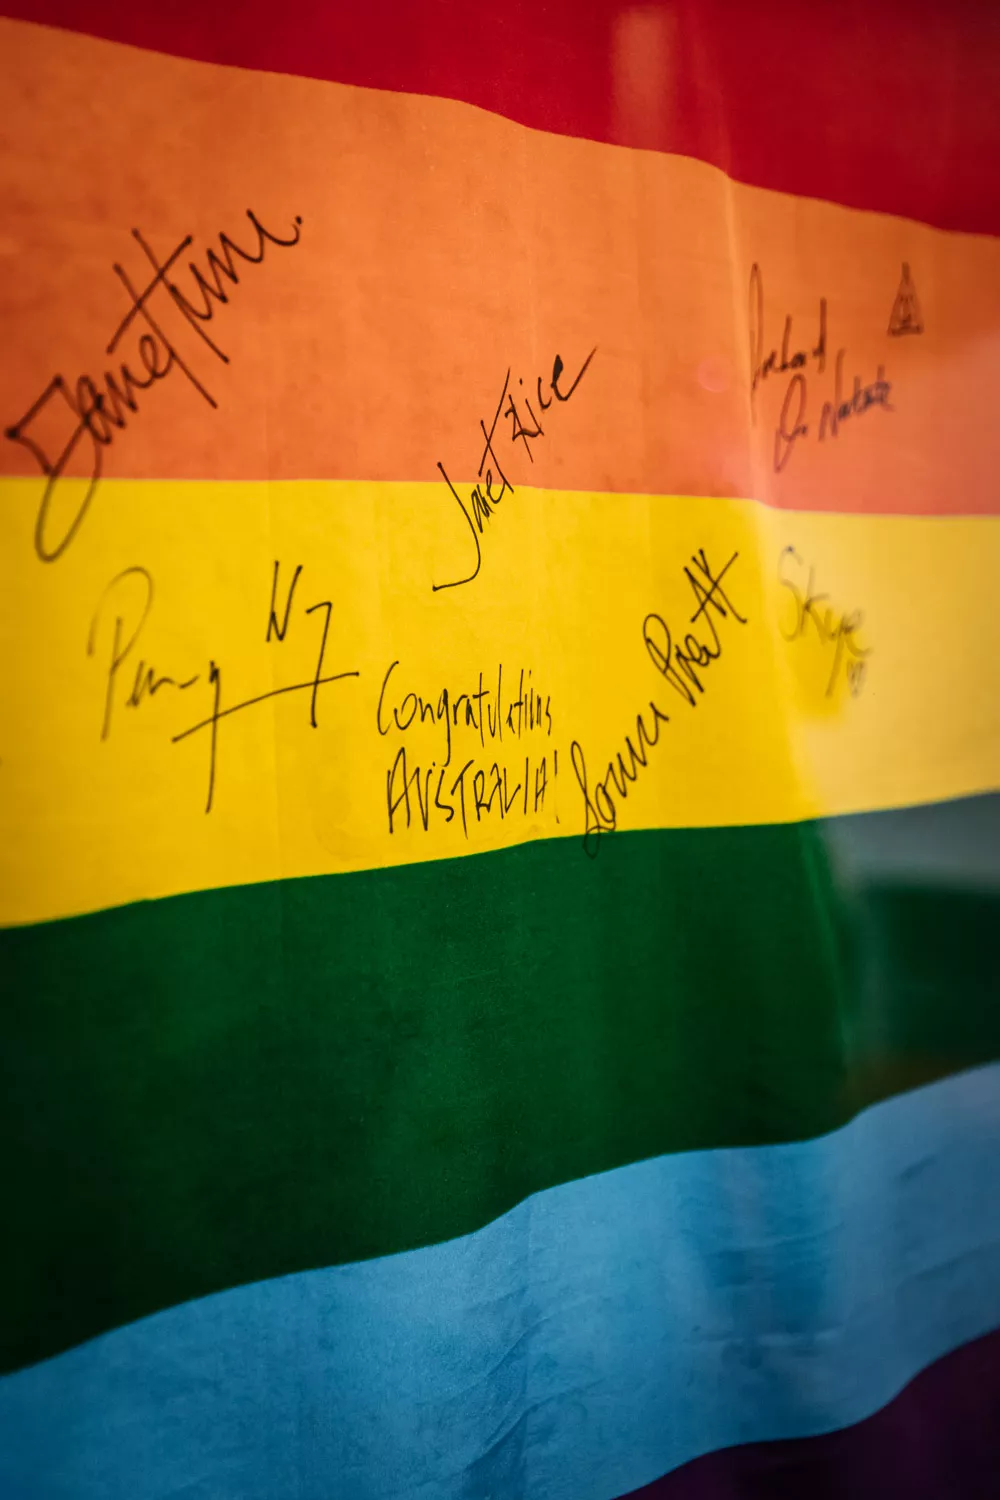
point(782, 95)
point(442, 246)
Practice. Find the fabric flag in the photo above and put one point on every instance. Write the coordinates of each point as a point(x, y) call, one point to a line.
point(499, 751)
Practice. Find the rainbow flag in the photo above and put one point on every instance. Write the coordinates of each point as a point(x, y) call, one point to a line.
point(499, 749)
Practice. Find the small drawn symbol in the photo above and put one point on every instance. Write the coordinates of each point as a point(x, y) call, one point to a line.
point(906, 316)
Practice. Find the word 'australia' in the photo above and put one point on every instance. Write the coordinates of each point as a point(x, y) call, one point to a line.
point(416, 794)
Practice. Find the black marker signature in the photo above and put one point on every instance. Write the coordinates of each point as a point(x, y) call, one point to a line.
point(130, 595)
point(681, 666)
point(790, 424)
point(838, 410)
point(760, 366)
point(838, 632)
point(101, 413)
point(311, 684)
point(484, 498)
point(791, 427)
point(146, 682)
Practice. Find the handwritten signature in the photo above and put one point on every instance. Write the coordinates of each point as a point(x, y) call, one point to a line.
point(100, 414)
point(760, 366)
point(830, 630)
point(484, 498)
point(793, 425)
point(680, 666)
point(146, 682)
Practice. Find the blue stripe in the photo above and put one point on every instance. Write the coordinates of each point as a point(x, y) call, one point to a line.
point(595, 1337)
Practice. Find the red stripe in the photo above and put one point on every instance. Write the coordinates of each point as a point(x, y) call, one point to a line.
point(939, 1438)
point(878, 104)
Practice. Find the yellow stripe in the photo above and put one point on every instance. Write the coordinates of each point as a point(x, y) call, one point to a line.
point(566, 582)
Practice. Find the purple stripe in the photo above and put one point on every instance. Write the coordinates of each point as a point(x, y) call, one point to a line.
point(938, 1440)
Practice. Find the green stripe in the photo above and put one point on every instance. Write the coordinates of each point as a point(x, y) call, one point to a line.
point(228, 1086)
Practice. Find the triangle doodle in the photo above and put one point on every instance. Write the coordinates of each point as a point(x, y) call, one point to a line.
point(906, 316)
